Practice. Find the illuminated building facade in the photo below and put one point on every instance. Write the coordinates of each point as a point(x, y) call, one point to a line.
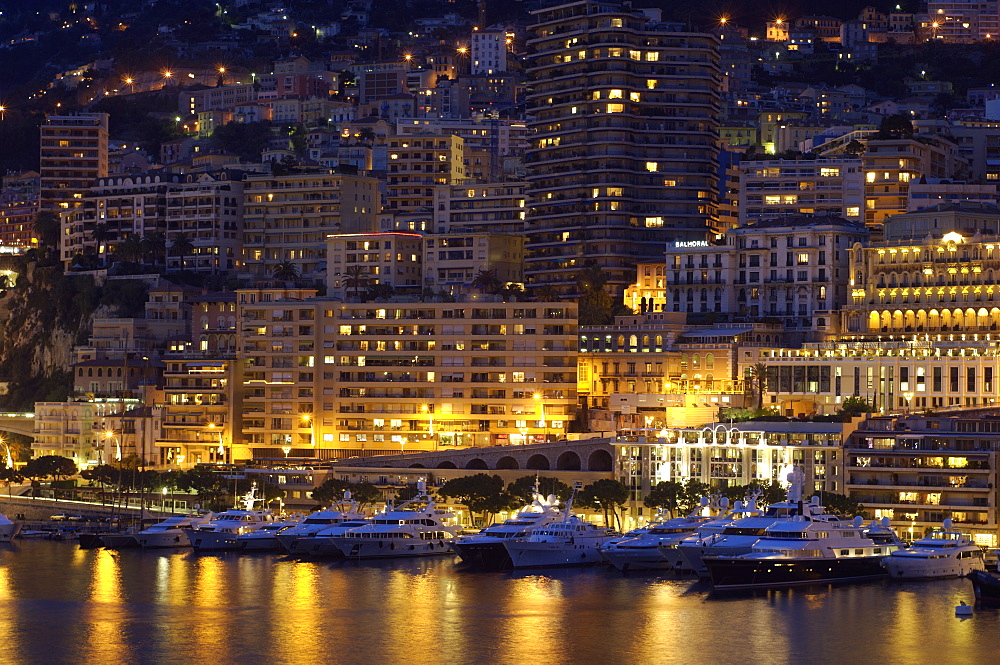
point(828, 186)
point(624, 158)
point(489, 207)
point(419, 162)
point(333, 379)
point(919, 471)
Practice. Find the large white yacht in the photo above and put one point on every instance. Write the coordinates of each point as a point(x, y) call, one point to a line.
point(739, 536)
point(569, 542)
point(170, 532)
point(653, 550)
point(945, 552)
point(805, 550)
point(221, 532)
point(265, 539)
point(346, 511)
point(416, 527)
point(486, 548)
point(325, 543)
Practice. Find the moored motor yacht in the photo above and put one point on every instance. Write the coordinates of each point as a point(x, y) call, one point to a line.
point(325, 543)
point(569, 542)
point(170, 532)
point(220, 533)
point(945, 552)
point(804, 550)
point(416, 527)
point(647, 551)
point(486, 548)
point(265, 539)
point(346, 511)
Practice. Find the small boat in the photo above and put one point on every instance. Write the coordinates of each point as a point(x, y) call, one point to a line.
point(8, 529)
point(945, 552)
point(963, 610)
point(987, 587)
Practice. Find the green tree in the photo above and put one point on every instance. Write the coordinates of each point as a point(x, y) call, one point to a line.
point(379, 290)
point(895, 126)
point(100, 234)
point(46, 466)
point(130, 249)
point(205, 483)
point(607, 495)
point(597, 305)
point(182, 246)
point(286, 271)
point(522, 488)
point(694, 491)
point(480, 493)
point(47, 228)
point(154, 249)
point(666, 494)
point(246, 139)
point(756, 378)
point(331, 491)
point(486, 280)
point(355, 279)
point(854, 406)
point(842, 505)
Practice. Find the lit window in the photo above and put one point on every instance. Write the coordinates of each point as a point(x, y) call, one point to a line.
point(635, 55)
point(615, 94)
point(633, 96)
point(616, 108)
point(870, 176)
point(651, 83)
point(652, 166)
point(652, 56)
point(654, 222)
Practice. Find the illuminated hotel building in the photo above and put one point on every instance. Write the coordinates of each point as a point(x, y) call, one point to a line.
point(624, 156)
point(816, 186)
point(724, 455)
point(919, 471)
point(332, 379)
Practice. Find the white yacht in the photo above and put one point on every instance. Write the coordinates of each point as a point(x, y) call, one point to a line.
point(804, 550)
point(739, 536)
point(221, 532)
point(568, 542)
point(647, 550)
point(265, 539)
point(671, 551)
point(415, 528)
point(486, 548)
point(170, 532)
point(945, 552)
point(325, 543)
point(346, 511)
point(8, 529)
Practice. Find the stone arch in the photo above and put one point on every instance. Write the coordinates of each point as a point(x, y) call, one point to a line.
point(476, 463)
point(507, 462)
point(897, 320)
point(600, 460)
point(873, 321)
point(909, 320)
point(447, 465)
point(568, 461)
point(538, 462)
point(417, 465)
point(933, 319)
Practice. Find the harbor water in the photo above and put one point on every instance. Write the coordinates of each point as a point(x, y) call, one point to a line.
point(61, 604)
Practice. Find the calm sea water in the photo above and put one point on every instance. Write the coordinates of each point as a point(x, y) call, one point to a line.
point(60, 604)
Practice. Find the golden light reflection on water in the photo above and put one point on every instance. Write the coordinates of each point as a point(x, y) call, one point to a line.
point(534, 607)
point(8, 620)
point(103, 639)
point(297, 600)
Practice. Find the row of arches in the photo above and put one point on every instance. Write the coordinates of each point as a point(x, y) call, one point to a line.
point(569, 460)
point(920, 320)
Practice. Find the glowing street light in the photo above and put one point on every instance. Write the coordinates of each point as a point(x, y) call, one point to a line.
point(110, 434)
point(542, 423)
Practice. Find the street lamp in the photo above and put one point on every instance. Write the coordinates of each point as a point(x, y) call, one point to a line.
point(221, 450)
point(541, 422)
point(426, 408)
point(110, 434)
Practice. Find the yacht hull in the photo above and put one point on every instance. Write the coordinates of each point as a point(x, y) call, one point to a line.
point(912, 568)
point(269, 544)
point(315, 547)
point(636, 558)
point(765, 573)
point(212, 541)
point(9, 531)
point(173, 538)
point(490, 555)
point(119, 541)
point(986, 586)
point(694, 556)
point(525, 554)
point(387, 548)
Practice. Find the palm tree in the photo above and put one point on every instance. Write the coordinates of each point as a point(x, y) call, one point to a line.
point(512, 291)
point(100, 234)
point(286, 271)
point(154, 246)
point(486, 280)
point(356, 278)
point(181, 246)
point(757, 373)
point(130, 249)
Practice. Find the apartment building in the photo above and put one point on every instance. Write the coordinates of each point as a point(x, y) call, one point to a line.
point(492, 207)
point(417, 164)
point(332, 379)
point(394, 259)
point(73, 154)
point(288, 217)
point(918, 471)
point(451, 260)
point(19, 203)
point(790, 268)
point(488, 52)
point(891, 164)
point(624, 157)
point(207, 208)
point(830, 186)
point(488, 142)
